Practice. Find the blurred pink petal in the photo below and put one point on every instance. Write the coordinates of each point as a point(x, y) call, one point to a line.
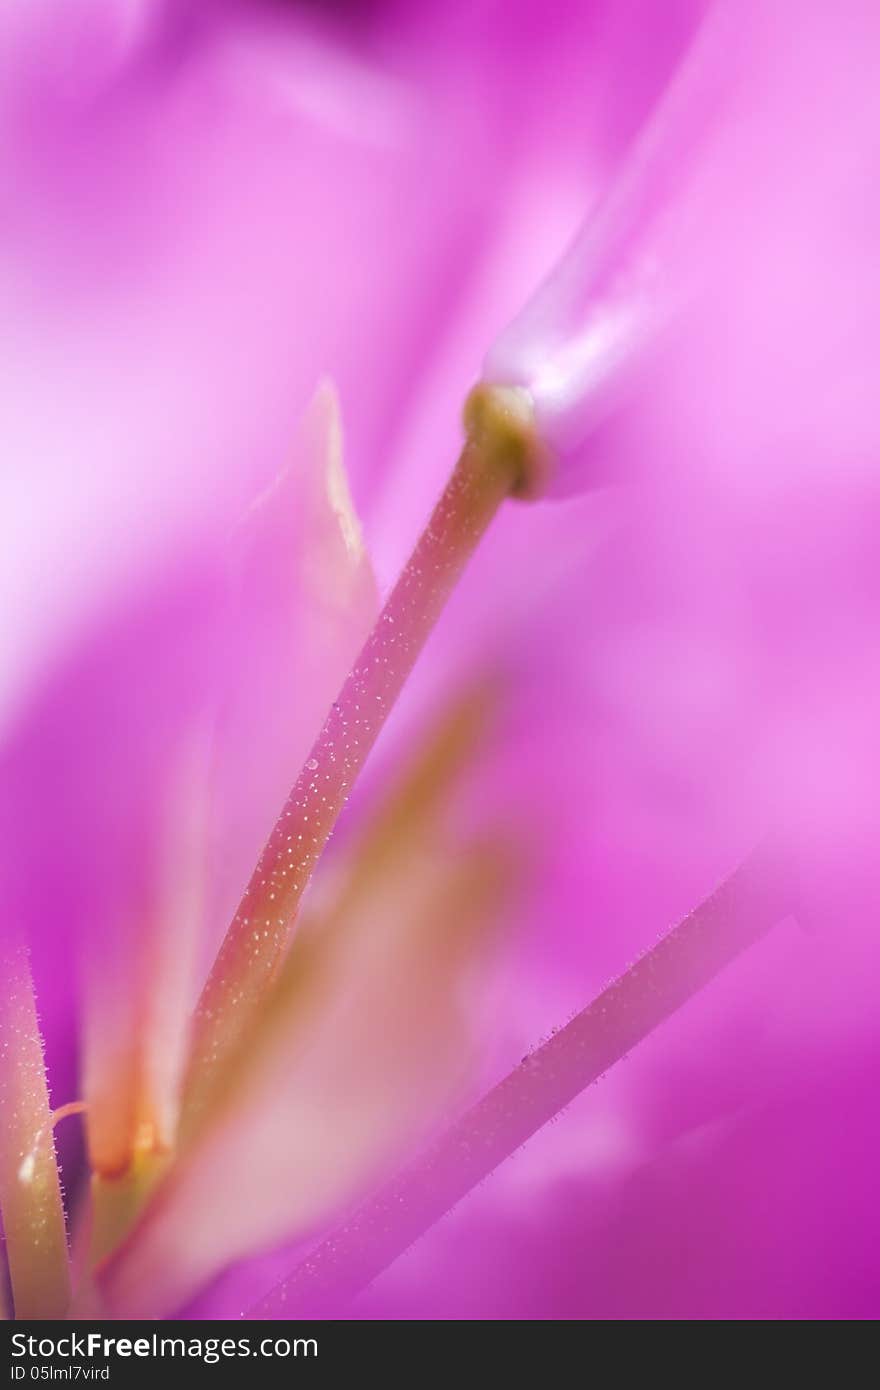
point(302, 598)
point(207, 209)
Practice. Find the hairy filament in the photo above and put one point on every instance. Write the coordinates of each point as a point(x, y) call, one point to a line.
point(496, 462)
point(30, 1189)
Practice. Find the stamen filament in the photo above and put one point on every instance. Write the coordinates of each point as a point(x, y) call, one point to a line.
point(494, 463)
point(738, 913)
point(30, 1201)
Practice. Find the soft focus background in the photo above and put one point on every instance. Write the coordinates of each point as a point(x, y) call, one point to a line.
point(211, 208)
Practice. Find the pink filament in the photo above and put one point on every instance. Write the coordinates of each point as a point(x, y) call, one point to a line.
point(740, 911)
point(263, 924)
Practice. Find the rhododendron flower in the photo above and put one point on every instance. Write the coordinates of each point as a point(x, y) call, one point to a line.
point(255, 256)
